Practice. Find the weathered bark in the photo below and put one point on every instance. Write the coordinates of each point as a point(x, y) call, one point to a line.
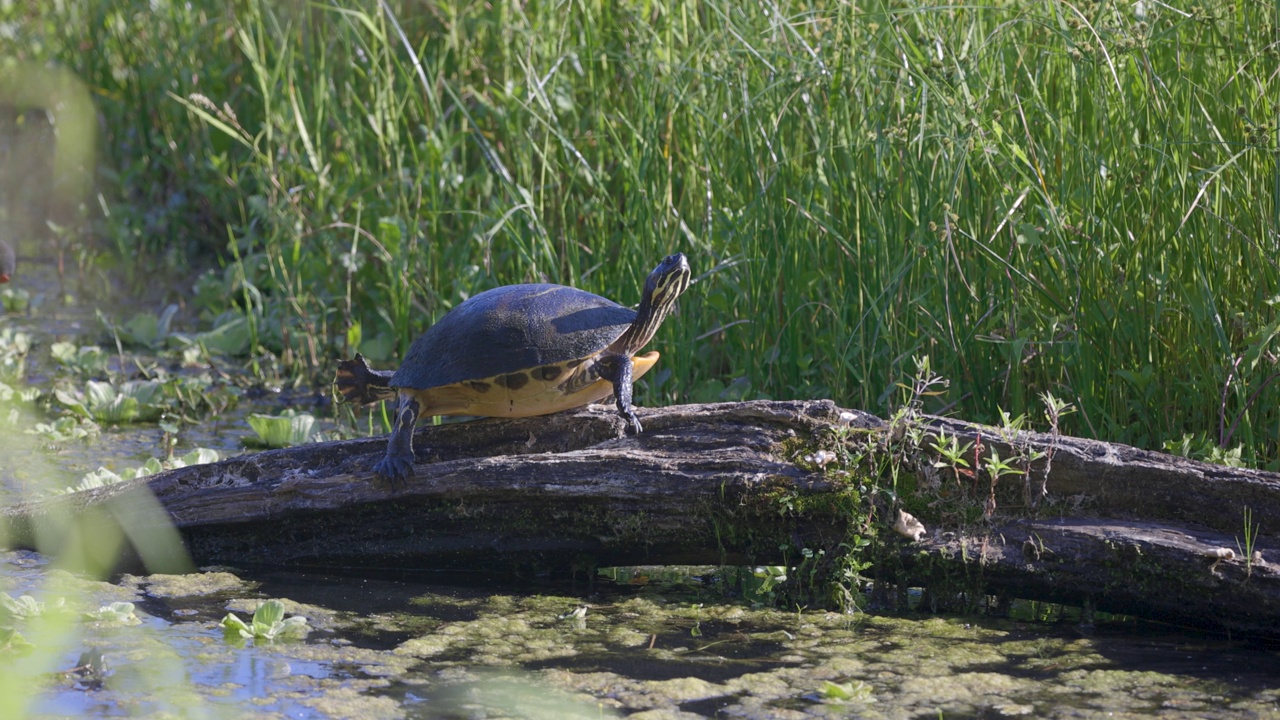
point(1134, 532)
point(1120, 529)
point(1161, 571)
point(547, 492)
point(1123, 481)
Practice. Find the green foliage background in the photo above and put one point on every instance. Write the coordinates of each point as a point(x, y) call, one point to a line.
point(1079, 198)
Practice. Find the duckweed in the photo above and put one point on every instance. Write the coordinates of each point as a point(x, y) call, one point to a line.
point(623, 651)
point(207, 583)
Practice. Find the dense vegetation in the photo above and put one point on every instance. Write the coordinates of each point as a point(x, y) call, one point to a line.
point(1078, 198)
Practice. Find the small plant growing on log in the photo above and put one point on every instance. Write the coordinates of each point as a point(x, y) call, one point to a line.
point(951, 454)
point(1250, 539)
point(906, 435)
point(906, 467)
point(880, 468)
point(1054, 411)
point(996, 468)
point(1200, 447)
point(1010, 425)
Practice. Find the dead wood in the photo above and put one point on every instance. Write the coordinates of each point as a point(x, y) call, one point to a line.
point(1123, 529)
point(548, 492)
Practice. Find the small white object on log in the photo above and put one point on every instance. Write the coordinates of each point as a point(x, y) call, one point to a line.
point(908, 526)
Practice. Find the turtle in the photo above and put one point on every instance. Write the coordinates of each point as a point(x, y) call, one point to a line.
point(7, 262)
point(518, 351)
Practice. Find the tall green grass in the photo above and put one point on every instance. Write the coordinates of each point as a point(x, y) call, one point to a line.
point(1080, 198)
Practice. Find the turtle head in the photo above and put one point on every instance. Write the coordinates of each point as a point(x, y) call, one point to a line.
point(661, 290)
point(666, 283)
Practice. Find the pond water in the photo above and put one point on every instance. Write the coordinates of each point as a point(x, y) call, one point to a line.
point(639, 642)
point(670, 646)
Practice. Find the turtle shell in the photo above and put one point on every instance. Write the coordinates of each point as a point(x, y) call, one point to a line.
point(511, 329)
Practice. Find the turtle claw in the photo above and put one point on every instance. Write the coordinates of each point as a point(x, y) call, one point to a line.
point(634, 422)
point(395, 469)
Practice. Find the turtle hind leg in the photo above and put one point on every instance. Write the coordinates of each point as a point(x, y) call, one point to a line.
point(358, 383)
point(617, 369)
point(397, 464)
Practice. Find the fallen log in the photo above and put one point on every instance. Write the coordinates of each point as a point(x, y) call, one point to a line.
point(737, 483)
point(548, 492)
point(1187, 575)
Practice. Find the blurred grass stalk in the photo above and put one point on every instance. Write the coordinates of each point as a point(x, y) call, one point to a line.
point(84, 544)
point(1043, 196)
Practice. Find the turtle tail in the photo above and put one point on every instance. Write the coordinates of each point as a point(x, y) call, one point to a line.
point(358, 383)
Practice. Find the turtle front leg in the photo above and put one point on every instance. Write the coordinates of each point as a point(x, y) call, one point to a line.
point(397, 465)
point(617, 369)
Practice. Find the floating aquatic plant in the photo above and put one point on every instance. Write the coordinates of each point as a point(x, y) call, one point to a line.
point(269, 623)
point(230, 338)
point(200, 395)
point(86, 360)
point(10, 394)
point(199, 456)
point(103, 477)
point(15, 300)
point(855, 690)
point(64, 428)
point(769, 577)
point(12, 640)
point(19, 608)
point(284, 430)
point(118, 613)
point(14, 347)
point(25, 607)
point(133, 401)
point(143, 329)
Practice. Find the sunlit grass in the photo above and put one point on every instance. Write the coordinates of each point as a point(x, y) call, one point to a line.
point(1043, 197)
